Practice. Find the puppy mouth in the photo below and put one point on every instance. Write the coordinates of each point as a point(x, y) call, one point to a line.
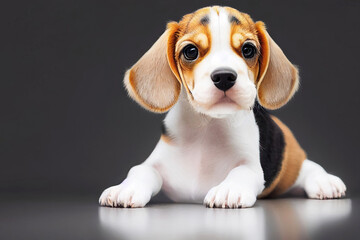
point(225, 101)
point(222, 102)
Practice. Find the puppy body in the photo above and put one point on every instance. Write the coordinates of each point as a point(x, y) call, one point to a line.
point(203, 150)
point(217, 71)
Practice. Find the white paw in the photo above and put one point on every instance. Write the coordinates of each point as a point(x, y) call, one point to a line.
point(127, 194)
point(229, 195)
point(324, 186)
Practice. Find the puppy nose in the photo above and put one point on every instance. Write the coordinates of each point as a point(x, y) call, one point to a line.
point(224, 78)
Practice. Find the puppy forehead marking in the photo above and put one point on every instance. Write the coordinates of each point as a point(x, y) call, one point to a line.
point(203, 17)
point(219, 28)
point(220, 23)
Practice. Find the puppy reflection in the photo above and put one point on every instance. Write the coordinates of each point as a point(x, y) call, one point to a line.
point(282, 219)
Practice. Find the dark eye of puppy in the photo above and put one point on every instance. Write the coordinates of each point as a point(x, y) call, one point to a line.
point(248, 50)
point(190, 52)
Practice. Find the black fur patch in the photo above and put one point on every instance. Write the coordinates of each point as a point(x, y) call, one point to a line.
point(272, 144)
point(204, 20)
point(234, 20)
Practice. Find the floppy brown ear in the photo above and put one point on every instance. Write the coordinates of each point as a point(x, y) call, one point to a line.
point(278, 78)
point(153, 80)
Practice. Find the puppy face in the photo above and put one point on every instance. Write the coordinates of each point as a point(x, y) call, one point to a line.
point(221, 57)
point(217, 58)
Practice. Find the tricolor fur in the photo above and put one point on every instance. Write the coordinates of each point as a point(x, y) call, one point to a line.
point(218, 145)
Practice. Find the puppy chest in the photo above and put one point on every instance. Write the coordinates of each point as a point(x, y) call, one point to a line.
point(205, 151)
point(193, 169)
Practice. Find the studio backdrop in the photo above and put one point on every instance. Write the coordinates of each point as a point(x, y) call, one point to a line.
point(68, 127)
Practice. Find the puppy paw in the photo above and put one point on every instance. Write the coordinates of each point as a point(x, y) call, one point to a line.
point(324, 186)
point(227, 195)
point(126, 194)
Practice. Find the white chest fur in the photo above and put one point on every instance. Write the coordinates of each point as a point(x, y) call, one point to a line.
point(204, 151)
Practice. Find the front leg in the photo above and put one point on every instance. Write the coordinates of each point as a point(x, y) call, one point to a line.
point(143, 182)
point(319, 184)
point(239, 189)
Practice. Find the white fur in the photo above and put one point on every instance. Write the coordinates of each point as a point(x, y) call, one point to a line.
point(317, 183)
point(209, 152)
point(142, 182)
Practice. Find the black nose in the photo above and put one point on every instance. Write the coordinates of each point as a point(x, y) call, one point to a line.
point(224, 78)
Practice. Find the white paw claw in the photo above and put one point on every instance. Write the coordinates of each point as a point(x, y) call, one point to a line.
point(229, 196)
point(324, 186)
point(125, 195)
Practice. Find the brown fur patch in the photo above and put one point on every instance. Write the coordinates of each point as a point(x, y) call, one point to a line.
point(241, 32)
point(167, 139)
point(192, 31)
point(293, 158)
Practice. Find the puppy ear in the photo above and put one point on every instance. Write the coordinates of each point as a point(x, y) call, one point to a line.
point(278, 79)
point(153, 81)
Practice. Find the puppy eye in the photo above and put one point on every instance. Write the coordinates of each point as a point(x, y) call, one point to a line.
point(190, 52)
point(248, 50)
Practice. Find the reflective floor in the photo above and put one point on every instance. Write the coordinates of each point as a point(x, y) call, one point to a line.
point(292, 218)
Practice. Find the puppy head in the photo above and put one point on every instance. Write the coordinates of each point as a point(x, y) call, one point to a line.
point(221, 57)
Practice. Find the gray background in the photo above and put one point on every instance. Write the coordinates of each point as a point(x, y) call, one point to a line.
point(68, 127)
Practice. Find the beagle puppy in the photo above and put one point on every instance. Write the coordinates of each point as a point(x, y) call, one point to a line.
point(216, 72)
